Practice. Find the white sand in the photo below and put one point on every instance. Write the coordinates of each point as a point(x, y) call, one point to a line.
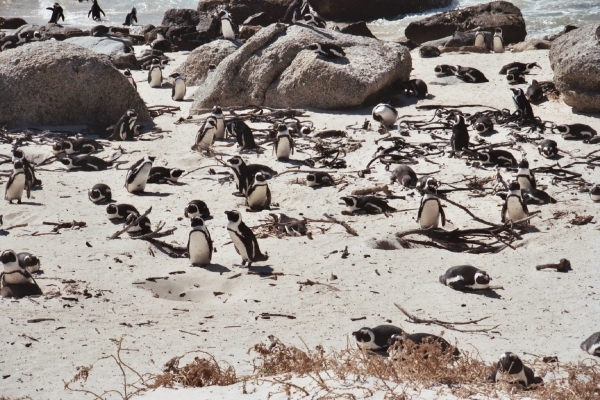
point(542, 313)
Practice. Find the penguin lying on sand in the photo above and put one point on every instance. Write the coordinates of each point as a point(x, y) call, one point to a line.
point(367, 204)
point(376, 338)
point(319, 178)
point(327, 50)
point(292, 227)
point(120, 211)
point(385, 114)
point(16, 281)
point(404, 175)
point(470, 75)
point(415, 87)
point(576, 131)
point(99, 193)
point(592, 345)
point(522, 68)
point(548, 148)
point(512, 370)
point(483, 124)
point(466, 277)
point(535, 91)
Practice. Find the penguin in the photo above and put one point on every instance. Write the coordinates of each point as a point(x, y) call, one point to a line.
point(425, 181)
point(196, 208)
point(130, 79)
point(522, 68)
point(120, 211)
point(155, 74)
point(243, 135)
point(161, 43)
point(466, 277)
point(284, 144)
point(444, 70)
point(217, 113)
point(396, 344)
point(525, 177)
point(375, 338)
point(200, 245)
point(498, 41)
point(291, 226)
point(16, 184)
point(258, 197)
point(11, 41)
point(430, 210)
point(548, 148)
point(211, 70)
point(73, 146)
point(591, 345)
point(244, 240)
point(480, 39)
point(460, 135)
point(99, 193)
point(514, 208)
point(140, 227)
point(483, 124)
point(537, 196)
point(85, 163)
point(515, 78)
point(311, 19)
point(227, 25)
point(296, 7)
point(535, 91)
point(404, 175)
point(368, 204)
point(206, 135)
point(16, 281)
point(123, 130)
point(512, 370)
point(319, 178)
point(576, 131)
point(470, 75)
point(501, 158)
point(101, 30)
point(244, 173)
point(595, 194)
point(327, 50)
point(131, 17)
point(137, 175)
point(164, 175)
point(522, 103)
point(31, 179)
point(178, 91)
point(385, 114)
point(415, 87)
point(29, 262)
point(57, 13)
point(598, 34)
point(95, 11)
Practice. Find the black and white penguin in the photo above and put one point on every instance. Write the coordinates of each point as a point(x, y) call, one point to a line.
point(178, 90)
point(217, 113)
point(120, 211)
point(415, 87)
point(99, 193)
point(95, 11)
point(73, 146)
point(16, 184)
point(29, 262)
point(124, 129)
point(595, 194)
point(200, 245)
point(155, 74)
point(548, 148)
point(397, 343)
point(291, 226)
point(129, 77)
point(404, 175)
point(498, 41)
point(206, 135)
point(16, 281)
point(57, 13)
point(512, 370)
point(296, 10)
point(131, 17)
point(425, 181)
point(498, 157)
point(591, 345)
point(444, 70)
point(385, 114)
point(284, 144)
point(367, 204)
point(244, 240)
point(522, 103)
point(196, 208)
point(470, 75)
point(164, 175)
point(483, 124)
point(137, 175)
point(319, 178)
point(459, 140)
point(376, 338)
point(258, 196)
point(85, 163)
point(525, 177)
point(311, 19)
point(479, 39)
point(535, 91)
point(327, 50)
point(228, 27)
point(576, 131)
point(537, 196)
point(514, 208)
point(466, 277)
point(515, 78)
point(11, 41)
point(31, 179)
point(243, 135)
point(136, 228)
point(522, 68)
point(244, 173)
point(430, 210)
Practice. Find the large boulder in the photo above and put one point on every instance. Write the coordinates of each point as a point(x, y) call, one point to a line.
point(275, 69)
point(180, 17)
point(11, 23)
point(67, 85)
point(367, 10)
point(195, 67)
point(242, 9)
point(575, 59)
point(54, 31)
point(120, 51)
point(488, 16)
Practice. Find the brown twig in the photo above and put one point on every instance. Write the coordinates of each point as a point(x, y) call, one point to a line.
point(563, 266)
point(445, 324)
point(373, 190)
point(132, 223)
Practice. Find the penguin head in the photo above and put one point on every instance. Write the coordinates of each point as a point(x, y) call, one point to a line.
point(236, 161)
point(259, 177)
point(524, 164)
point(155, 61)
point(480, 127)
point(37, 35)
point(459, 120)
point(517, 92)
point(18, 165)
point(364, 337)
point(18, 154)
point(305, 130)
point(191, 209)
point(223, 14)
point(282, 129)
point(311, 178)
point(395, 338)
point(175, 75)
point(31, 260)
point(176, 172)
point(217, 110)
point(498, 30)
point(211, 122)
point(510, 363)
point(482, 278)
point(532, 65)
point(563, 129)
point(234, 216)
point(349, 200)
point(594, 191)
point(8, 257)
point(511, 77)
point(131, 113)
point(277, 217)
point(58, 147)
point(94, 195)
point(197, 223)
point(111, 209)
point(127, 72)
point(514, 186)
point(67, 161)
point(431, 189)
point(547, 150)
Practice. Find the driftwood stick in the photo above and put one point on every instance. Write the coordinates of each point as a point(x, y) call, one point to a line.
point(373, 190)
point(563, 266)
point(445, 324)
point(330, 220)
point(138, 219)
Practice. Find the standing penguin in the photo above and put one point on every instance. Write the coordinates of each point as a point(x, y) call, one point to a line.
point(479, 39)
point(57, 13)
point(178, 91)
point(522, 103)
point(243, 239)
point(16, 281)
point(16, 184)
point(535, 91)
point(227, 25)
point(217, 113)
point(284, 144)
point(466, 277)
point(155, 74)
point(132, 16)
point(200, 245)
point(95, 11)
point(430, 210)
point(258, 197)
point(129, 77)
point(385, 114)
point(31, 179)
point(243, 135)
point(498, 43)
point(525, 176)
point(295, 10)
point(123, 130)
point(514, 208)
point(460, 135)
point(244, 173)
point(137, 175)
point(206, 135)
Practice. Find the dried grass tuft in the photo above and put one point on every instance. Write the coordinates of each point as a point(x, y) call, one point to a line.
point(199, 373)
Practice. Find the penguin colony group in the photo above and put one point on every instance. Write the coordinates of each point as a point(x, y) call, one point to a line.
point(20, 268)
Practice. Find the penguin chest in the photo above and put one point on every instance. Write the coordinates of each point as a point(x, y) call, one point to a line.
point(138, 183)
point(515, 209)
point(227, 30)
point(524, 182)
point(220, 133)
point(155, 78)
point(131, 81)
point(207, 139)
point(430, 215)
point(13, 276)
point(498, 45)
point(258, 197)
point(595, 197)
point(199, 249)
point(284, 149)
point(15, 190)
point(33, 268)
point(239, 245)
point(179, 90)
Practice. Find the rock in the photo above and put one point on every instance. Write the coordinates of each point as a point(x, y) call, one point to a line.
point(195, 67)
point(243, 9)
point(209, 26)
point(120, 51)
point(488, 16)
point(186, 38)
point(11, 23)
point(358, 29)
point(407, 43)
point(260, 19)
point(53, 31)
point(575, 59)
point(180, 17)
point(248, 31)
point(275, 69)
point(363, 10)
point(566, 29)
point(532, 44)
point(72, 86)
point(429, 51)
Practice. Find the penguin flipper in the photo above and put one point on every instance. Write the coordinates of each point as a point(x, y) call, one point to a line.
point(503, 212)
point(268, 204)
point(419, 213)
point(173, 92)
point(442, 213)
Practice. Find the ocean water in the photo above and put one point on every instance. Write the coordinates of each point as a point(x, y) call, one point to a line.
point(541, 16)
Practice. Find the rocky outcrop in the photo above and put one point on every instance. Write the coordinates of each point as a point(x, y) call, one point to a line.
point(243, 9)
point(497, 14)
point(11, 23)
point(180, 17)
point(53, 31)
point(275, 69)
point(119, 51)
point(72, 86)
point(195, 67)
point(261, 19)
point(367, 10)
point(358, 29)
point(575, 59)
